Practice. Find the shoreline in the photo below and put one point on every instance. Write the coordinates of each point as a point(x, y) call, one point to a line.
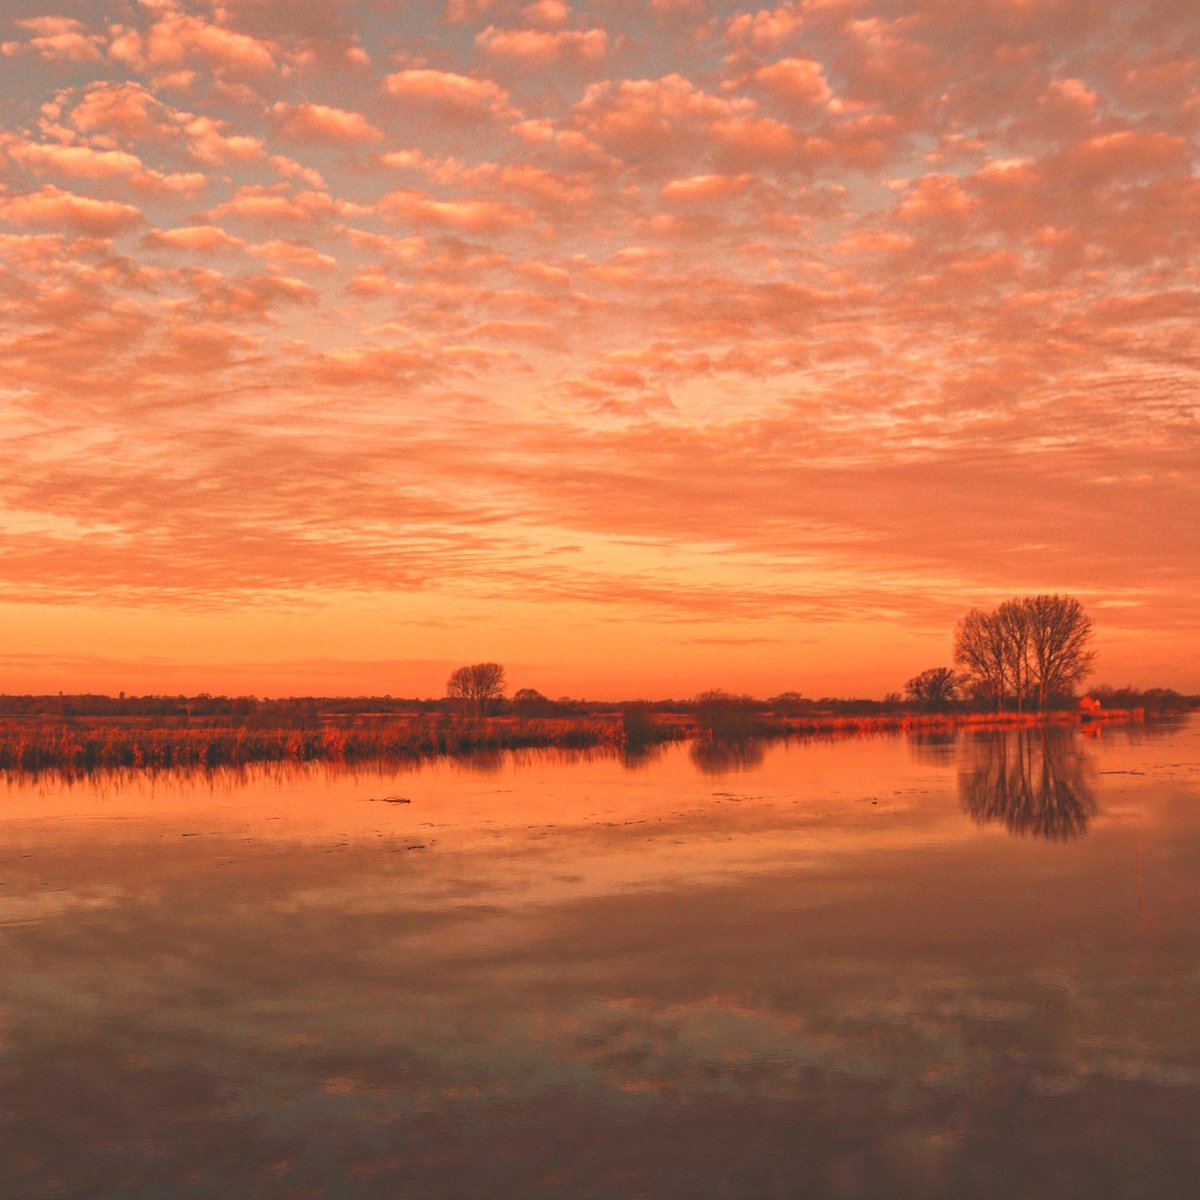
point(83, 744)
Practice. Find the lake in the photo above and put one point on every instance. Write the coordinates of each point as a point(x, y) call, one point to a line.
point(940, 966)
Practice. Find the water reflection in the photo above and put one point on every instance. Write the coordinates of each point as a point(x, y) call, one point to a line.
point(483, 761)
point(725, 756)
point(934, 746)
point(1033, 781)
point(573, 981)
point(639, 757)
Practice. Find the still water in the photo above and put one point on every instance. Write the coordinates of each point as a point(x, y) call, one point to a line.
point(955, 967)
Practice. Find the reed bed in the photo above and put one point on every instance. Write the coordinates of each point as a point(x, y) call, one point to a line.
point(918, 722)
point(89, 743)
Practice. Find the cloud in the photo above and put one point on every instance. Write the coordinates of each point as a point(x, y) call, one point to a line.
point(322, 123)
point(547, 14)
point(703, 188)
point(51, 207)
point(766, 28)
point(179, 39)
point(542, 46)
point(457, 98)
point(125, 110)
point(75, 162)
point(414, 207)
point(1127, 152)
point(653, 122)
point(57, 39)
point(273, 204)
point(213, 144)
point(375, 364)
point(203, 239)
point(295, 255)
point(799, 83)
point(939, 199)
point(83, 163)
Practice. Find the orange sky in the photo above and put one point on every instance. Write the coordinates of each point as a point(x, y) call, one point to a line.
point(643, 346)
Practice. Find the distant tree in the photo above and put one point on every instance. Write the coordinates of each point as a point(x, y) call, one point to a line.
point(529, 702)
point(934, 689)
point(477, 687)
point(1059, 633)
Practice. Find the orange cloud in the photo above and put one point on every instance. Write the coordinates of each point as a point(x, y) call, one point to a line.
point(75, 162)
point(51, 207)
point(766, 28)
point(455, 97)
point(258, 203)
point(294, 255)
point(177, 38)
point(798, 82)
point(542, 46)
point(203, 239)
point(703, 188)
point(937, 198)
point(59, 39)
point(322, 123)
point(415, 207)
point(549, 14)
point(126, 110)
point(383, 365)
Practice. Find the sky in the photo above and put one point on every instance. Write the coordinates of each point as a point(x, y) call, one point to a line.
point(643, 346)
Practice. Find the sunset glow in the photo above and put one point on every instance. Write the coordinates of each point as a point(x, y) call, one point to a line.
point(643, 346)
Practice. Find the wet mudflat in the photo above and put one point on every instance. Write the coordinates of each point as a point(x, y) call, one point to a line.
point(953, 966)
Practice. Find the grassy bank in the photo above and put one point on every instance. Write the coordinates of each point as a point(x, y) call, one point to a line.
point(87, 743)
point(936, 721)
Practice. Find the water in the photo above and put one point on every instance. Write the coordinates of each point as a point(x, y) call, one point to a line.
point(964, 967)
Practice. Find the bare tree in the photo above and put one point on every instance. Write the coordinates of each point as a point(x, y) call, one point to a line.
point(1059, 633)
point(477, 687)
point(979, 647)
point(1036, 645)
point(934, 689)
point(1012, 620)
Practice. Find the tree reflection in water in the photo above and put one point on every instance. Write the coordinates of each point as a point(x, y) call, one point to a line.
point(723, 756)
point(1033, 781)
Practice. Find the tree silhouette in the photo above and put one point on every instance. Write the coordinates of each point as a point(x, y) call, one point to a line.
point(1036, 647)
point(934, 689)
point(1059, 632)
point(477, 687)
point(529, 702)
point(979, 647)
